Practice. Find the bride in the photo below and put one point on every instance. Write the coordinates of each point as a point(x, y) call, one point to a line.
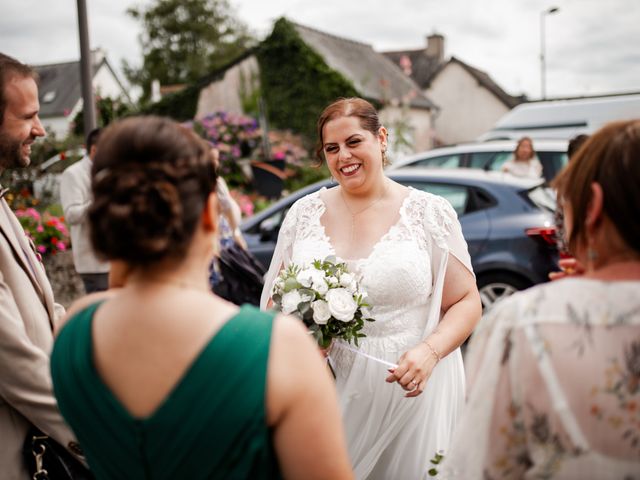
point(407, 248)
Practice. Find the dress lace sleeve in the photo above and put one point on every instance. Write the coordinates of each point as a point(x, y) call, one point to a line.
point(444, 235)
point(282, 253)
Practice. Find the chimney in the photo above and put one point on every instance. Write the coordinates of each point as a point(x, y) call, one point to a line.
point(435, 47)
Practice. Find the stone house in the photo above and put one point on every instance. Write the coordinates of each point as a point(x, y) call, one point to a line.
point(406, 111)
point(470, 101)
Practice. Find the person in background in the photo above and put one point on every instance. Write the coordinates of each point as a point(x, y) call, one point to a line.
point(235, 274)
point(162, 379)
point(75, 196)
point(523, 162)
point(575, 143)
point(555, 370)
point(566, 261)
point(28, 313)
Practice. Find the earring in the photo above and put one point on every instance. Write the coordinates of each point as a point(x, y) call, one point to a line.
point(385, 160)
point(333, 180)
point(592, 256)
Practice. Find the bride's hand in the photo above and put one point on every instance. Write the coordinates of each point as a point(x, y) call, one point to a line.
point(414, 369)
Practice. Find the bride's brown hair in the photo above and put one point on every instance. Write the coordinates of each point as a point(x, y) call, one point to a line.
point(347, 107)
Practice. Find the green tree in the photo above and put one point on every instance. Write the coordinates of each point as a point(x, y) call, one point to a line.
point(183, 40)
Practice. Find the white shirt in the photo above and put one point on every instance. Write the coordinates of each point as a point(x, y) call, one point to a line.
point(75, 195)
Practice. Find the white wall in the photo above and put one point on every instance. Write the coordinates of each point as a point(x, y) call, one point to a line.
point(105, 83)
point(467, 109)
point(59, 126)
point(225, 94)
point(419, 131)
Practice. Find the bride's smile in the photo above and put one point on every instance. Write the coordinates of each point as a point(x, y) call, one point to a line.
point(354, 155)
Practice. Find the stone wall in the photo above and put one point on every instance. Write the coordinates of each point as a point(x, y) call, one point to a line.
point(65, 282)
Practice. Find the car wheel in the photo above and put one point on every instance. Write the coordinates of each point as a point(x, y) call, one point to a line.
point(494, 287)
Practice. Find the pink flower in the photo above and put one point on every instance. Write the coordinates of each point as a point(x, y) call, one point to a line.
point(39, 228)
point(33, 213)
point(41, 248)
point(61, 246)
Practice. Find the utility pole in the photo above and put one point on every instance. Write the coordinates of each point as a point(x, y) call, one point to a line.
point(543, 67)
point(86, 70)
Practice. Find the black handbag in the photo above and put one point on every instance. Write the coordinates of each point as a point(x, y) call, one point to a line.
point(241, 276)
point(46, 459)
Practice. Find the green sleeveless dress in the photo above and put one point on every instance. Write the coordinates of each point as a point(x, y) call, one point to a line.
point(212, 425)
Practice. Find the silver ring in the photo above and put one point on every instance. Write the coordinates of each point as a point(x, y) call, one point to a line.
point(414, 382)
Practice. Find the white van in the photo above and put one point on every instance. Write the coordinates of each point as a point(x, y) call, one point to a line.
point(563, 119)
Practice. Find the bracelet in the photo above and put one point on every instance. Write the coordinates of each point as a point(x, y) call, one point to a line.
point(433, 350)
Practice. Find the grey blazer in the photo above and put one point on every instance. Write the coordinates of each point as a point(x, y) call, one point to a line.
point(27, 318)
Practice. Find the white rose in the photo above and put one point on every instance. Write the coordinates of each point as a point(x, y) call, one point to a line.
point(290, 301)
point(321, 313)
point(308, 276)
point(304, 278)
point(352, 287)
point(307, 297)
point(346, 279)
point(341, 304)
point(332, 280)
point(278, 286)
point(321, 287)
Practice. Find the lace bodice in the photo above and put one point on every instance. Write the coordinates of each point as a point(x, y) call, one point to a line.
point(397, 274)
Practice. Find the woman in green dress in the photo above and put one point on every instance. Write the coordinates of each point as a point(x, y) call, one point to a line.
point(162, 379)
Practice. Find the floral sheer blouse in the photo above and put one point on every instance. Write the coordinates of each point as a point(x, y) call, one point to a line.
point(554, 386)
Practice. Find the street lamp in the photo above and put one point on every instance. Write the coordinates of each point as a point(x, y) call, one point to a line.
point(543, 73)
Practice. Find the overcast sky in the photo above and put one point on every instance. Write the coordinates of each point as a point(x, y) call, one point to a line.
point(593, 46)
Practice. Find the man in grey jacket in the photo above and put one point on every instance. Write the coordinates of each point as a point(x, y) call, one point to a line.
point(75, 195)
point(28, 313)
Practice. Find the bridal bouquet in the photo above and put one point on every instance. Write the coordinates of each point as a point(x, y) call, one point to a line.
point(326, 297)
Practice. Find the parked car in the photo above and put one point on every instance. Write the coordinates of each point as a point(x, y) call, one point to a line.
point(507, 223)
point(488, 156)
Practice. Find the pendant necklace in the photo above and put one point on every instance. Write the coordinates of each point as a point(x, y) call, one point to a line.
point(355, 214)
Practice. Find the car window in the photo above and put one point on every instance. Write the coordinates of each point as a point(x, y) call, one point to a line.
point(271, 224)
point(458, 195)
point(443, 161)
point(552, 162)
point(481, 159)
point(498, 160)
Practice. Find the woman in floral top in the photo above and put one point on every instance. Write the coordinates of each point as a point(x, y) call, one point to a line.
point(554, 389)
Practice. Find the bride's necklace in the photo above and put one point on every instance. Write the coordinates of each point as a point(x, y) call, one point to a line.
point(355, 214)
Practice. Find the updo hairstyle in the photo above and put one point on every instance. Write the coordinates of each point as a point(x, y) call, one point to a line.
point(151, 180)
point(347, 107)
point(611, 158)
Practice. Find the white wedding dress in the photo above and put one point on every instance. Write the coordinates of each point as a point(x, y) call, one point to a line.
point(389, 436)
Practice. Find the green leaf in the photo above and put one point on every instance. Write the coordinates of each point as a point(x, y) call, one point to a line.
point(291, 284)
